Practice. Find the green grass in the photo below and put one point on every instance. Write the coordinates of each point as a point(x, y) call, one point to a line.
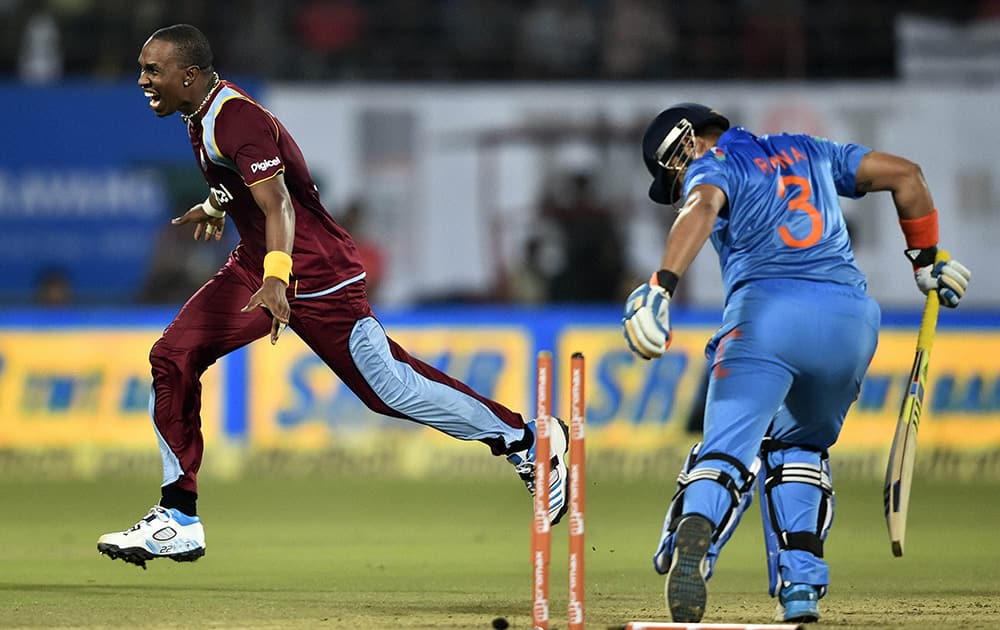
point(377, 553)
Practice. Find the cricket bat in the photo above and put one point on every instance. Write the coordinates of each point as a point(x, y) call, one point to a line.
point(899, 472)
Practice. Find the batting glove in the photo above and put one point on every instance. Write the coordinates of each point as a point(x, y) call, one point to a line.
point(647, 321)
point(949, 278)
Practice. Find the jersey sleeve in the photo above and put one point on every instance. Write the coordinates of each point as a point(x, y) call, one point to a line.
point(709, 169)
point(248, 135)
point(844, 160)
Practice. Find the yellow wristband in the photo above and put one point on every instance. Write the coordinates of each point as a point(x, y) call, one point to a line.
point(278, 264)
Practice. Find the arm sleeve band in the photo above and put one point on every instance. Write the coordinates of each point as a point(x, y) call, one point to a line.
point(921, 233)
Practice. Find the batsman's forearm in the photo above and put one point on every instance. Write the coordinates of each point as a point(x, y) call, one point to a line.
point(687, 236)
point(883, 171)
point(913, 199)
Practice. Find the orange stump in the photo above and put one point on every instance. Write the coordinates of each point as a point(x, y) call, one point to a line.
point(577, 491)
point(541, 536)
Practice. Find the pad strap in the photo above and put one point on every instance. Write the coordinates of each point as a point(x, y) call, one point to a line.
point(748, 476)
point(806, 541)
point(736, 488)
point(799, 473)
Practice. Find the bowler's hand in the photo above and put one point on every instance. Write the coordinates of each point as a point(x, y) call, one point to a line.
point(204, 225)
point(272, 297)
point(647, 321)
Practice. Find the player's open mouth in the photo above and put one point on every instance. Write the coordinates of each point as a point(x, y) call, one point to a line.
point(154, 98)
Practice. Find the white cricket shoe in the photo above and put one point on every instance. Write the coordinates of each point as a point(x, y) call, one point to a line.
point(162, 533)
point(524, 465)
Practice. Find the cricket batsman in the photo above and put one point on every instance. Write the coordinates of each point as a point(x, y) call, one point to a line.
point(797, 335)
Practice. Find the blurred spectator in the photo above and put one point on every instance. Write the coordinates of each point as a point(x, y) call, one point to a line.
point(487, 39)
point(708, 33)
point(825, 25)
point(774, 39)
point(179, 265)
point(529, 279)
point(405, 40)
point(851, 39)
point(111, 54)
point(353, 219)
point(331, 33)
point(594, 267)
point(479, 37)
point(40, 58)
point(639, 40)
point(265, 45)
point(557, 39)
point(54, 288)
point(987, 10)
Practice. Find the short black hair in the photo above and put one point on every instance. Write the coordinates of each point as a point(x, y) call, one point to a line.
point(191, 44)
point(711, 129)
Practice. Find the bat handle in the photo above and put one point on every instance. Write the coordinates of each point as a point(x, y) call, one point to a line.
point(925, 338)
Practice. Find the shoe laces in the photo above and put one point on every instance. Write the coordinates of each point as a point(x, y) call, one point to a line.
point(155, 513)
point(526, 470)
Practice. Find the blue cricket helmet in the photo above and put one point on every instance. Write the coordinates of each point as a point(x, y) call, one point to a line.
point(664, 140)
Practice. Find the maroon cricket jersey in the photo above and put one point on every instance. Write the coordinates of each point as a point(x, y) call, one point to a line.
point(238, 144)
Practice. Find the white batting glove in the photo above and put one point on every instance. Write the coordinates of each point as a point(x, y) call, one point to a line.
point(949, 278)
point(647, 321)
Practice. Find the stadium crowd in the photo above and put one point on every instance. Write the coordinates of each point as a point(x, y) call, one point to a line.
point(455, 40)
point(345, 41)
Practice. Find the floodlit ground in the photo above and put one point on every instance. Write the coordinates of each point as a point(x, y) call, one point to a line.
point(378, 553)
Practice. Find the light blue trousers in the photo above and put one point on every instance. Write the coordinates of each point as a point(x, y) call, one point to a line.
point(787, 363)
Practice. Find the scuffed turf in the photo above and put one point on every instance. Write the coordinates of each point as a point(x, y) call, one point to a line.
point(377, 553)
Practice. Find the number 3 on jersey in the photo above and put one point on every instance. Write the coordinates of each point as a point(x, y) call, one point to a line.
point(800, 202)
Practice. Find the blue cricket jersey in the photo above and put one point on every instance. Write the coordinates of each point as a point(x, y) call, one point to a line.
point(783, 218)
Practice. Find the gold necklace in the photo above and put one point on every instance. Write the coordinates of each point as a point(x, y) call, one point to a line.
point(215, 81)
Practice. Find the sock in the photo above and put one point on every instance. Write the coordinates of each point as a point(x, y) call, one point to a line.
point(183, 500)
point(523, 444)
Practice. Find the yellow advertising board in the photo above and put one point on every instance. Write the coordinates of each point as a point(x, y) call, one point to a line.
point(83, 387)
point(961, 405)
point(89, 386)
point(645, 404)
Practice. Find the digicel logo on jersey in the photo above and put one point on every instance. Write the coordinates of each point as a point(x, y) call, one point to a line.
point(263, 165)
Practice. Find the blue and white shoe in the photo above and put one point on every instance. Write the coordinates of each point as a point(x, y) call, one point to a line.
point(798, 603)
point(524, 464)
point(685, 589)
point(162, 533)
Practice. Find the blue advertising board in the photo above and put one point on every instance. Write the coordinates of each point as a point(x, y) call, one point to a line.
point(84, 187)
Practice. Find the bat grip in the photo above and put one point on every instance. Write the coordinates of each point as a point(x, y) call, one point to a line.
point(928, 322)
